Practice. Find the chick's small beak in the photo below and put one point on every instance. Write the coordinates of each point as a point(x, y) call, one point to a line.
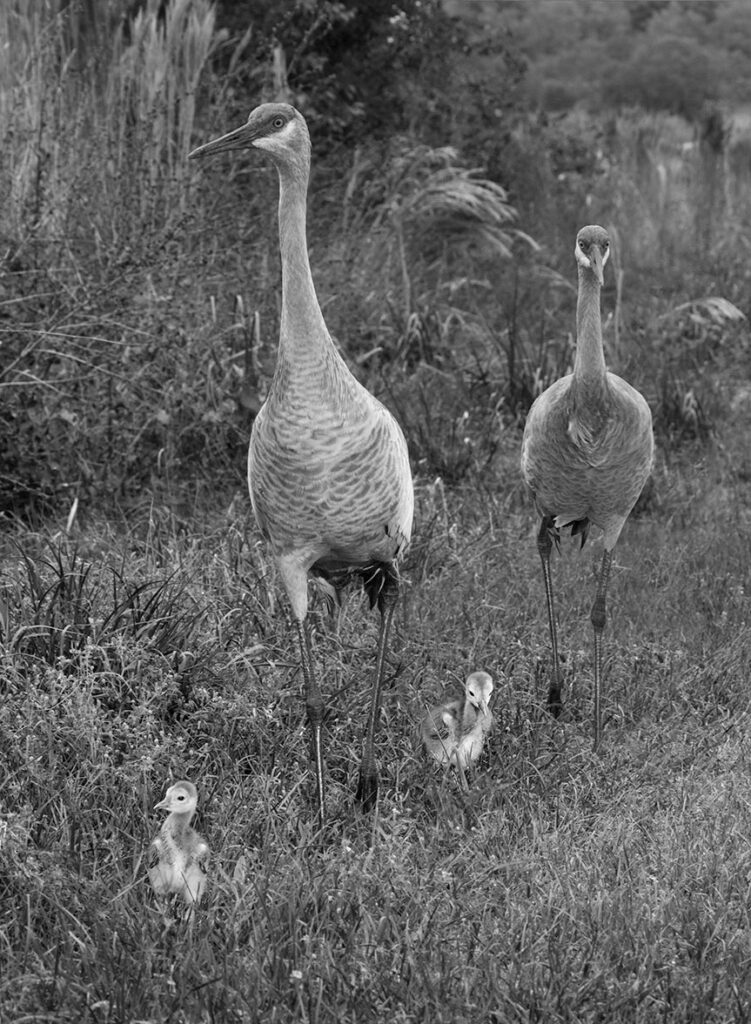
point(240, 138)
point(595, 261)
point(162, 805)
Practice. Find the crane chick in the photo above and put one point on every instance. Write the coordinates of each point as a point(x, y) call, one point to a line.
point(454, 732)
point(587, 452)
point(177, 852)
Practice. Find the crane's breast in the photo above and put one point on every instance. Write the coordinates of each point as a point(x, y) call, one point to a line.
point(579, 464)
point(337, 481)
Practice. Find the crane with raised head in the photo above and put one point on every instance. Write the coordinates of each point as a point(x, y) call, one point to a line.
point(587, 452)
point(454, 731)
point(328, 467)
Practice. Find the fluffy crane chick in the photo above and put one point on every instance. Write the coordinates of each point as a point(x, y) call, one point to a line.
point(454, 732)
point(177, 852)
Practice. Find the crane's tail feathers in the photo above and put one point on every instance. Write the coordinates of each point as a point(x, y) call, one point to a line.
point(380, 580)
point(330, 590)
point(579, 528)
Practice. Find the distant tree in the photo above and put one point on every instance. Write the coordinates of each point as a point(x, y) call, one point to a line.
point(731, 30)
point(640, 12)
point(364, 67)
point(663, 54)
point(665, 73)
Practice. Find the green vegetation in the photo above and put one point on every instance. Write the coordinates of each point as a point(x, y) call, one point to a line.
point(143, 636)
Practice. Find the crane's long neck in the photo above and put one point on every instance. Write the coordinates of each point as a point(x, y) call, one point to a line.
point(303, 332)
point(589, 364)
point(469, 715)
point(178, 823)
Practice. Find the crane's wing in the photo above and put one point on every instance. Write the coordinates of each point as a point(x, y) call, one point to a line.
point(158, 870)
point(154, 853)
point(441, 722)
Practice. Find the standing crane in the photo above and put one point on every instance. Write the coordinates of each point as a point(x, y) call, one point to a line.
point(328, 467)
point(587, 453)
point(178, 850)
point(454, 732)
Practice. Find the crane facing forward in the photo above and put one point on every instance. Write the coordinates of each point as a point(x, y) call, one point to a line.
point(328, 467)
point(178, 850)
point(454, 732)
point(587, 453)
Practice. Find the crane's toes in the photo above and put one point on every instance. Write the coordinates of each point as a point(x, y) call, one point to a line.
point(367, 791)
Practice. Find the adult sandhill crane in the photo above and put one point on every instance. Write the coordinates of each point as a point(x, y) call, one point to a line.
point(328, 467)
point(587, 452)
point(454, 732)
point(178, 850)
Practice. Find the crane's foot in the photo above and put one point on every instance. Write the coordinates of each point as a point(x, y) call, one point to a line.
point(367, 791)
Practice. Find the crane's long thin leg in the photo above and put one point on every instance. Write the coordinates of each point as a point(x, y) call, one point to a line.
point(367, 786)
point(314, 706)
point(598, 615)
point(544, 546)
point(336, 636)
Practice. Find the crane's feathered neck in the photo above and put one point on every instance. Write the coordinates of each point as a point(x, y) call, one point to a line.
point(301, 318)
point(589, 362)
point(177, 822)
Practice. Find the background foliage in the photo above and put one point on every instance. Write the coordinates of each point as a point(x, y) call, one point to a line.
point(458, 147)
point(139, 302)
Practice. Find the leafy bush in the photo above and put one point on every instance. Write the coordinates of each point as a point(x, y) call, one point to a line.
point(665, 73)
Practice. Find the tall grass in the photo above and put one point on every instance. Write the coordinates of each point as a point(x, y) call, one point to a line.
point(93, 189)
point(107, 135)
point(542, 895)
point(151, 106)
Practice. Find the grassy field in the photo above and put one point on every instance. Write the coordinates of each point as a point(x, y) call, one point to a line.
point(144, 637)
point(564, 886)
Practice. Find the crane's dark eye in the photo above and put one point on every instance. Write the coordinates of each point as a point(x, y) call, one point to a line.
point(278, 122)
point(583, 245)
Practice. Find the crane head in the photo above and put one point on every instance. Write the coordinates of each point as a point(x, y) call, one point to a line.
point(277, 128)
point(478, 687)
point(181, 798)
point(593, 249)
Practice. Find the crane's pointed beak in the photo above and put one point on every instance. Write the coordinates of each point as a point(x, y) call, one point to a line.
point(595, 262)
point(162, 805)
point(240, 138)
point(480, 705)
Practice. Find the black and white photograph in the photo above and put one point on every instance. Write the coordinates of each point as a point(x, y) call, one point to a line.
point(375, 511)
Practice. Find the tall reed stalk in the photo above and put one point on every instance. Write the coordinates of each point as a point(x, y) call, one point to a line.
point(96, 119)
point(95, 135)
